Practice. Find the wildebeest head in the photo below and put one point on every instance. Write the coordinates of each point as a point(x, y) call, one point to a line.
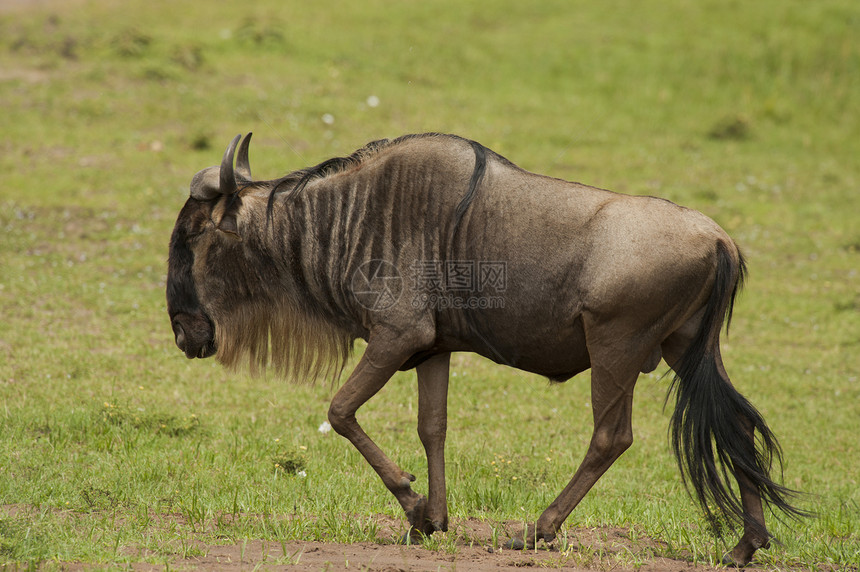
point(206, 222)
point(231, 287)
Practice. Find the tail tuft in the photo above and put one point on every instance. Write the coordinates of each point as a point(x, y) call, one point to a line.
point(708, 432)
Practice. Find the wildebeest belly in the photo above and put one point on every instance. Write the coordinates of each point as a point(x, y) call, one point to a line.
point(552, 349)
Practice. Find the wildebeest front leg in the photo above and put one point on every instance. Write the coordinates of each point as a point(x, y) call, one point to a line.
point(374, 369)
point(432, 426)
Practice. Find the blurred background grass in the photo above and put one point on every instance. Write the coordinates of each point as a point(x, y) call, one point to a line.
point(746, 111)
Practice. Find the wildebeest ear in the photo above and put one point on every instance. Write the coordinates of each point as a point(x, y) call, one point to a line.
point(228, 225)
point(206, 184)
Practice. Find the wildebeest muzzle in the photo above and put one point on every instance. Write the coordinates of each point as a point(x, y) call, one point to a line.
point(195, 335)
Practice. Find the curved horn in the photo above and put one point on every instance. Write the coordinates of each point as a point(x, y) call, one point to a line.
point(243, 167)
point(227, 176)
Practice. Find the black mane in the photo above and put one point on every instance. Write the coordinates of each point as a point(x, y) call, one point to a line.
point(296, 181)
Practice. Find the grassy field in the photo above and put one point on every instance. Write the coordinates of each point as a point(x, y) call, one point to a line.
point(115, 448)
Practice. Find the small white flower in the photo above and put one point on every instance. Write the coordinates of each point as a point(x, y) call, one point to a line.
point(328, 118)
point(301, 474)
point(325, 427)
point(373, 101)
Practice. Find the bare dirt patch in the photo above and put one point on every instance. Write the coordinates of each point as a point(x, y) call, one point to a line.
point(381, 557)
point(584, 550)
point(471, 545)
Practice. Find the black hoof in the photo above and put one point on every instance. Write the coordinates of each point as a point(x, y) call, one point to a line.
point(439, 526)
point(729, 561)
point(414, 536)
point(515, 544)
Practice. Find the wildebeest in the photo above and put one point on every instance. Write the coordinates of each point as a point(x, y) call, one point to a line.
point(403, 241)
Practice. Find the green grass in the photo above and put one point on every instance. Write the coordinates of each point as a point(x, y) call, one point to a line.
point(114, 448)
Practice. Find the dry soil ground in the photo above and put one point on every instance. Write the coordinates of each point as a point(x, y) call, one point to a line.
point(586, 550)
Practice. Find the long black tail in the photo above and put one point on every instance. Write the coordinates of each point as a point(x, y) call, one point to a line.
point(707, 430)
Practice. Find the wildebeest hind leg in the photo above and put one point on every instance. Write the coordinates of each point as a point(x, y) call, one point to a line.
point(755, 534)
point(613, 377)
point(379, 362)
